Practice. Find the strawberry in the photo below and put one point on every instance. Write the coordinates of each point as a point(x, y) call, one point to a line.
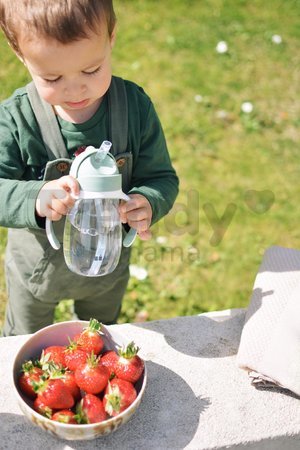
point(74, 355)
point(68, 378)
point(90, 339)
point(40, 407)
point(109, 360)
point(54, 394)
point(92, 376)
point(129, 366)
point(64, 416)
point(56, 354)
point(55, 372)
point(31, 374)
point(118, 395)
point(90, 410)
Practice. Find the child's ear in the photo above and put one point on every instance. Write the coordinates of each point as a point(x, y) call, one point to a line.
point(113, 36)
point(20, 57)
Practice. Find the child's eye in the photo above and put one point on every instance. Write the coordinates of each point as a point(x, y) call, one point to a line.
point(52, 81)
point(94, 71)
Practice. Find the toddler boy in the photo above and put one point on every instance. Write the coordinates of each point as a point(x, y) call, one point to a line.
point(66, 47)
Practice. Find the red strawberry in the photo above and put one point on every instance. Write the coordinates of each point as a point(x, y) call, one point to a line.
point(40, 407)
point(68, 379)
point(74, 356)
point(55, 372)
point(64, 416)
point(90, 339)
point(118, 395)
point(109, 360)
point(90, 409)
point(31, 374)
point(92, 376)
point(130, 366)
point(55, 394)
point(56, 354)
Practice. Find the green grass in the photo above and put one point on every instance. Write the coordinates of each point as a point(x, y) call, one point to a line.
point(239, 172)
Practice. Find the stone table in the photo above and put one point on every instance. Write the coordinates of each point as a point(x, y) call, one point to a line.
point(196, 397)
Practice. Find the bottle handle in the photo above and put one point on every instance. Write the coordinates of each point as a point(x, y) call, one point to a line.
point(132, 233)
point(127, 241)
point(51, 235)
point(130, 237)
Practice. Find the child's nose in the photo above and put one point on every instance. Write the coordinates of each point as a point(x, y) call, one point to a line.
point(74, 88)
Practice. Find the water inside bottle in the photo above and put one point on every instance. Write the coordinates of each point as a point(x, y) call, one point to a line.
point(93, 237)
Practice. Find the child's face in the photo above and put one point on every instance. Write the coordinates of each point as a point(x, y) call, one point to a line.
point(71, 77)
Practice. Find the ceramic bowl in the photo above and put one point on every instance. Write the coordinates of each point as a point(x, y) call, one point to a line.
point(57, 334)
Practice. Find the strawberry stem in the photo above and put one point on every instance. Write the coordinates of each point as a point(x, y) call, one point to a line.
point(71, 346)
point(94, 325)
point(92, 360)
point(113, 398)
point(80, 415)
point(113, 403)
point(47, 412)
point(27, 366)
point(130, 351)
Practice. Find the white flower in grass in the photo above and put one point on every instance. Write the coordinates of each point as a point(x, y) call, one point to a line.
point(198, 98)
point(247, 107)
point(222, 47)
point(193, 250)
point(276, 39)
point(161, 239)
point(221, 114)
point(138, 272)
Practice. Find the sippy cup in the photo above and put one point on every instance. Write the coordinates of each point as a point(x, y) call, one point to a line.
point(92, 239)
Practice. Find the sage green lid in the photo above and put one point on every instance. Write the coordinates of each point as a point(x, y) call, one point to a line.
point(102, 183)
point(96, 173)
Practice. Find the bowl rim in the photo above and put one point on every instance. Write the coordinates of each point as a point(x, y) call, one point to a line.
point(70, 426)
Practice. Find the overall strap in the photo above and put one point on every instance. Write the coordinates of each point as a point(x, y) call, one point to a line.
point(118, 130)
point(118, 115)
point(48, 125)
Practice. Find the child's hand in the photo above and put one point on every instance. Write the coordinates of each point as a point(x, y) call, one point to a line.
point(137, 212)
point(57, 197)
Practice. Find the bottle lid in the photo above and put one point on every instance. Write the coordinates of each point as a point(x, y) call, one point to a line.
point(96, 171)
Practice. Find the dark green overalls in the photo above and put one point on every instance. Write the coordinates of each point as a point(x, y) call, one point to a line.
point(37, 277)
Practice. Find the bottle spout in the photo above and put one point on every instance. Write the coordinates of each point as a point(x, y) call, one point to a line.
point(103, 150)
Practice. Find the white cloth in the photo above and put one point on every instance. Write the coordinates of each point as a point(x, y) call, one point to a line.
point(270, 342)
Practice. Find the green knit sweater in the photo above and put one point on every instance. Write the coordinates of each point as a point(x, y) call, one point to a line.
point(23, 155)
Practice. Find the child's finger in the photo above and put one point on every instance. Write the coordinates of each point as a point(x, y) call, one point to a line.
point(69, 184)
point(136, 201)
point(139, 225)
point(53, 215)
point(145, 235)
point(61, 207)
point(137, 214)
point(128, 206)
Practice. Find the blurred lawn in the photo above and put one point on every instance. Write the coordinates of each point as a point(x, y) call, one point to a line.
point(239, 171)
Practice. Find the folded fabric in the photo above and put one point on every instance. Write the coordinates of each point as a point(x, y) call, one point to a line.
point(270, 342)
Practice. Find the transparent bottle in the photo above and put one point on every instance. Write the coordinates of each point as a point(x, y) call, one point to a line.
point(92, 239)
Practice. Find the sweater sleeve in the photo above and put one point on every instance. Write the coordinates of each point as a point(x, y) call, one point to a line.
point(17, 196)
point(153, 173)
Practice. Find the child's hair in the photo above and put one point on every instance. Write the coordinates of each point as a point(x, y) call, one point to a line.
point(63, 20)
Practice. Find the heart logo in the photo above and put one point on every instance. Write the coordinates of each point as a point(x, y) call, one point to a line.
point(259, 202)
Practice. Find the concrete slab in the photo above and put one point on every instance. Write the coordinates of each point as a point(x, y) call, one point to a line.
point(196, 397)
